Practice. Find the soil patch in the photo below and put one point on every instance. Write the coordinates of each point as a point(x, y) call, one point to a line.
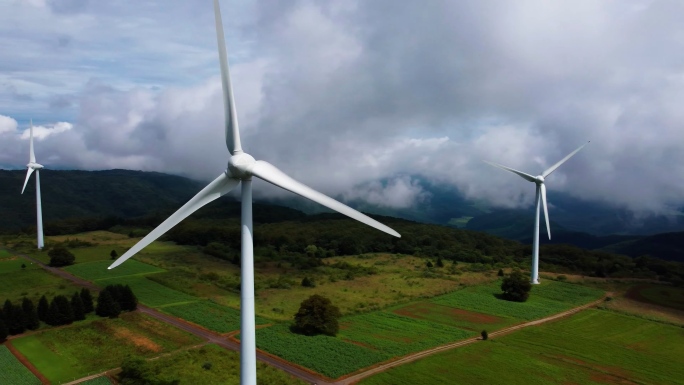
point(138, 340)
point(423, 310)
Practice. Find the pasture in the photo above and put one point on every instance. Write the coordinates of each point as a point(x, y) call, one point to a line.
point(661, 295)
point(31, 282)
point(459, 318)
point(210, 315)
point(94, 271)
point(14, 372)
point(190, 367)
point(66, 353)
point(593, 346)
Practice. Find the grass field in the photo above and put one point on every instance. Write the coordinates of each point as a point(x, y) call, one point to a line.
point(459, 318)
point(149, 292)
point(547, 298)
point(187, 366)
point(661, 295)
point(31, 282)
point(67, 353)
point(591, 347)
point(14, 372)
point(94, 271)
point(102, 380)
point(210, 315)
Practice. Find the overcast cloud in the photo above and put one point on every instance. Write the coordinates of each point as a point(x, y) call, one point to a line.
point(341, 94)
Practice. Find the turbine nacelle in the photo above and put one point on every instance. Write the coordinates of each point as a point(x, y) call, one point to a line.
point(539, 179)
point(240, 166)
point(34, 166)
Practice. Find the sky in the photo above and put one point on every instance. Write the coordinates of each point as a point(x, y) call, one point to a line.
point(343, 94)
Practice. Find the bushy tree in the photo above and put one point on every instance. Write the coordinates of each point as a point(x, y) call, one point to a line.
point(66, 312)
point(43, 306)
point(484, 335)
point(106, 306)
point(317, 315)
point(30, 315)
point(516, 287)
point(113, 254)
point(87, 299)
point(16, 322)
point(308, 282)
point(77, 307)
point(60, 256)
point(4, 332)
point(136, 371)
point(429, 264)
point(440, 262)
point(500, 273)
point(128, 301)
point(52, 317)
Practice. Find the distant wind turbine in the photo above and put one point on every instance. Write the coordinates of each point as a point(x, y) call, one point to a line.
point(33, 166)
point(241, 168)
point(540, 197)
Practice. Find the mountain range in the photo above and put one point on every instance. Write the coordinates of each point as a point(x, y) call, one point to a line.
point(129, 194)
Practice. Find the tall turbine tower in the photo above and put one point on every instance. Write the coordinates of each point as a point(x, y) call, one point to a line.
point(540, 198)
point(33, 166)
point(241, 168)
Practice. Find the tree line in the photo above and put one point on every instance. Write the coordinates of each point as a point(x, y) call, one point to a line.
point(61, 310)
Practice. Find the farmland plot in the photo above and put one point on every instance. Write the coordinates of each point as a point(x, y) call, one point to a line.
point(14, 372)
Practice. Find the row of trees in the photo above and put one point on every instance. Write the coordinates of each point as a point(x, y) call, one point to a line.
point(61, 310)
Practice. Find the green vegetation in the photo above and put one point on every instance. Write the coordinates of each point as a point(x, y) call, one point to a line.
point(32, 282)
point(590, 347)
point(102, 380)
point(149, 292)
point(60, 256)
point(14, 372)
point(210, 315)
point(67, 353)
point(327, 355)
point(317, 315)
point(212, 365)
point(668, 296)
point(547, 298)
point(94, 271)
point(516, 287)
point(447, 315)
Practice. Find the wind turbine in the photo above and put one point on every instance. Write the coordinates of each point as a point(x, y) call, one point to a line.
point(33, 166)
point(241, 168)
point(540, 198)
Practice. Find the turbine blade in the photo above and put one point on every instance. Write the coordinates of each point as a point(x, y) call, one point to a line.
point(525, 176)
point(28, 176)
point(32, 156)
point(220, 186)
point(555, 166)
point(231, 123)
point(546, 210)
point(271, 174)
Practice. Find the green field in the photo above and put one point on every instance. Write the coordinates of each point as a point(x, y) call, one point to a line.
point(94, 271)
point(591, 347)
point(31, 282)
point(149, 292)
point(187, 367)
point(102, 380)
point(548, 298)
point(210, 315)
point(14, 372)
point(329, 356)
point(661, 295)
point(66, 353)
point(459, 318)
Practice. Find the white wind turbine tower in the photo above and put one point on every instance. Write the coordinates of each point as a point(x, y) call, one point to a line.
point(33, 166)
point(241, 168)
point(540, 198)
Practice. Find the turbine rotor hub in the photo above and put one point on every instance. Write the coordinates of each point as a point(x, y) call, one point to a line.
point(540, 179)
point(240, 165)
point(34, 166)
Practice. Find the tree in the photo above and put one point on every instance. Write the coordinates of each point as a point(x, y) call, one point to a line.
point(66, 312)
point(429, 264)
point(87, 299)
point(500, 273)
point(128, 300)
point(60, 256)
point(30, 315)
point(516, 287)
point(23, 266)
point(106, 306)
point(52, 316)
point(113, 254)
point(440, 263)
point(16, 321)
point(317, 315)
point(43, 307)
point(3, 331)
point(77, 307)
point(308, 282)
point(484, 335)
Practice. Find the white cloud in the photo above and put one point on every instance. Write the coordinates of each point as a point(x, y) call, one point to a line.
point(42, 132)
point(7, 124)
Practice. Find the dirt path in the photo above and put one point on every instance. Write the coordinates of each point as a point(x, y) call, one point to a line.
point(353, 379)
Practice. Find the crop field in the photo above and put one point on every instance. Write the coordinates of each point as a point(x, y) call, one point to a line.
point(397, 335)
point(94, 271)
point(547, 298)
point(459, 318)
point(593, 346)
point(210, 315)
point(12, 264)
point(329, 356)
point(661, 295)
point(14, 372)
point(5, 254)
point(67, 353)
point(187, 367)
point(149, 292)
